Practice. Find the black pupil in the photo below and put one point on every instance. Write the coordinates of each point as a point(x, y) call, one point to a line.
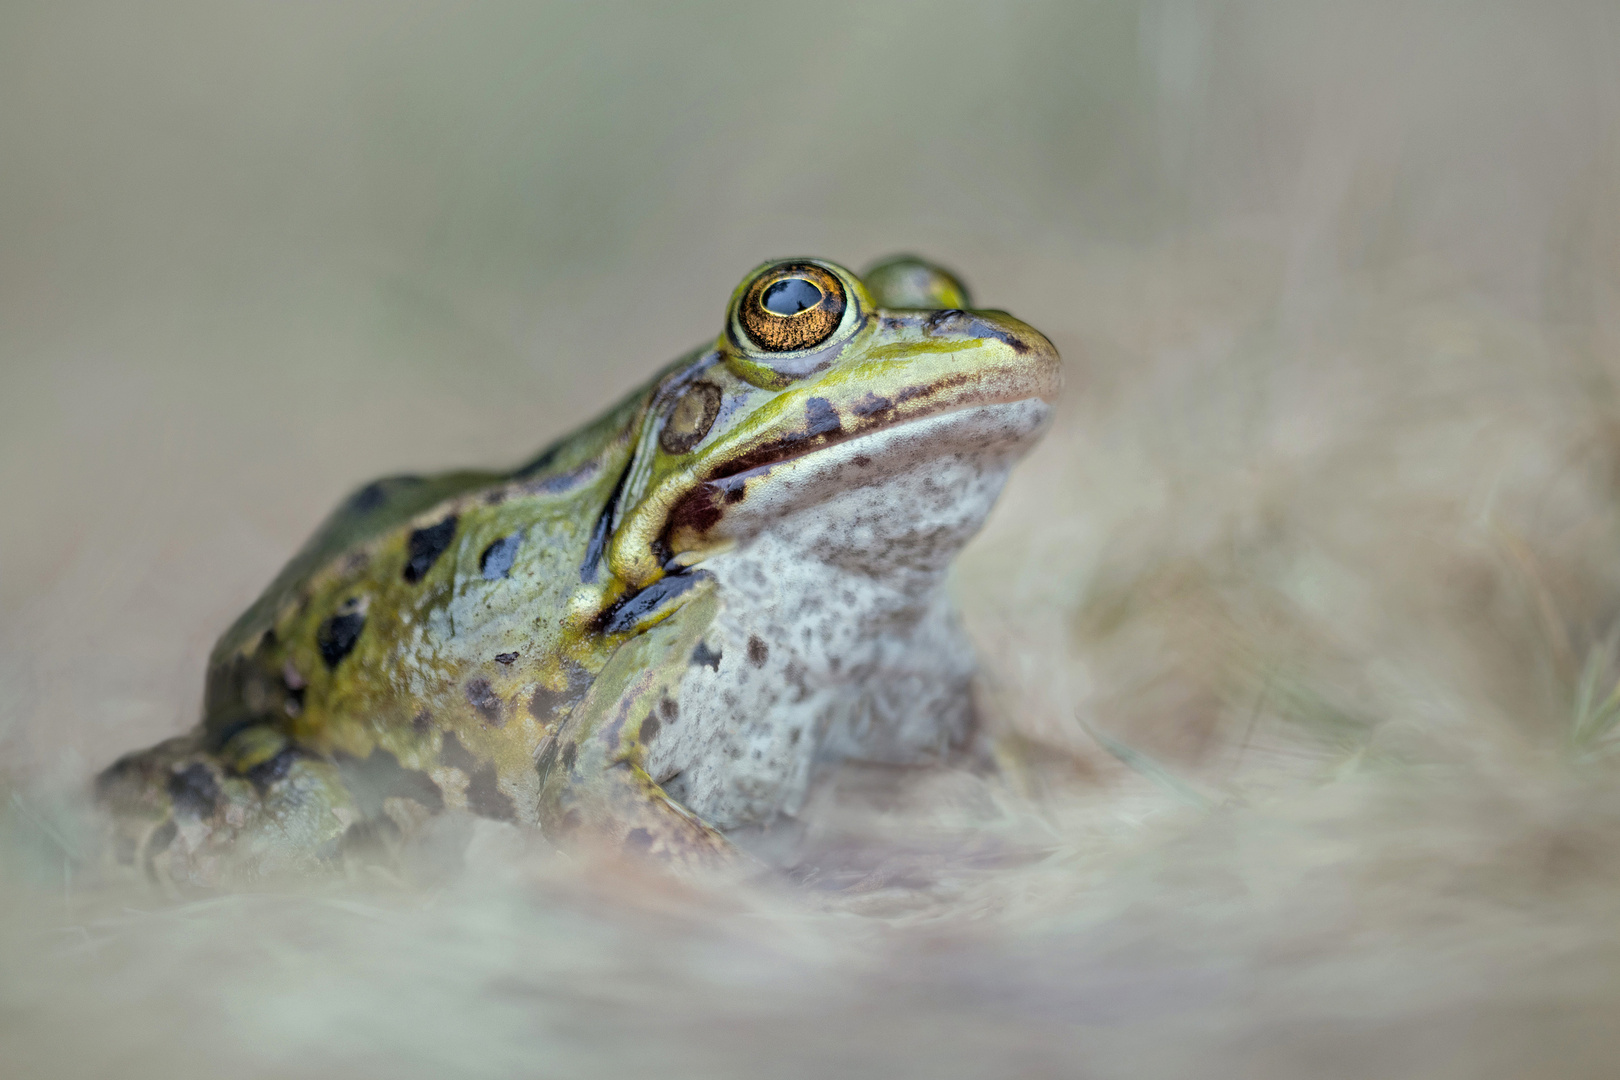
point(791, 296)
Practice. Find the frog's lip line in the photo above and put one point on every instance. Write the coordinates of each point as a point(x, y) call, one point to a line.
point(737, 478)
point(816, 442)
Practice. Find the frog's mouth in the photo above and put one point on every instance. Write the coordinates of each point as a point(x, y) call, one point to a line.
point(957, 445)
point(964, 391)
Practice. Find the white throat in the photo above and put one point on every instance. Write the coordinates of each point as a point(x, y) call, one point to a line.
point(835, 636)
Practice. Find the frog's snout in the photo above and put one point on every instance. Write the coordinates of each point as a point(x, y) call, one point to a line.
point(1021, 362)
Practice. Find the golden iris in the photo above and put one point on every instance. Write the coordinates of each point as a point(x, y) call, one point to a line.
point(792, 307)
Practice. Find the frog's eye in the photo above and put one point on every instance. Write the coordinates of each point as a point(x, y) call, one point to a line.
point(792, 306)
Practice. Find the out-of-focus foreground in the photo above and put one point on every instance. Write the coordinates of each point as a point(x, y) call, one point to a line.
point(1302, 629)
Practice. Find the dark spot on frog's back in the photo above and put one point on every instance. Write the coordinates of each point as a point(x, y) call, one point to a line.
point(482, 697)
point(424, 546)
point(486, 799)
point(375, 494)
point(367, 498)
point(497, 559)
point(194, 791)
point(638, 841)
point(703, 656)
point(546, 703)
point(457, 756)
point(758, 651)
point(336, 637)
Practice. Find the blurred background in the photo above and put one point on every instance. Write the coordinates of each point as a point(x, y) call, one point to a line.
point(1305, 612)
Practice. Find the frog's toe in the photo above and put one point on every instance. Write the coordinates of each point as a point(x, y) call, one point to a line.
point(134, 793)
point(179, 814)
point(136, 784)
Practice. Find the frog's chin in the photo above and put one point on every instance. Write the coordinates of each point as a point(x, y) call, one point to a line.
point(916, 491)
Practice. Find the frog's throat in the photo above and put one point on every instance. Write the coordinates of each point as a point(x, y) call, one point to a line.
point(1003, 362)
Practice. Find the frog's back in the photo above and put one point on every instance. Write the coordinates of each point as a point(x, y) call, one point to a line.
point(407, 586)
point(408, 659)
point(367, 516)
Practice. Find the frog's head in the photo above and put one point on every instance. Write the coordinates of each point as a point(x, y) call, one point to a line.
point(824, 385)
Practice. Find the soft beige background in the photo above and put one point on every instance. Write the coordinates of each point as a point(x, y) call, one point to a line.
point(1305, 611)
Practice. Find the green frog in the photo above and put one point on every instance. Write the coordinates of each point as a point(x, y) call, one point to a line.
point(649, 635)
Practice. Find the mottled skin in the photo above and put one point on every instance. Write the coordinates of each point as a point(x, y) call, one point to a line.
point(506, 643)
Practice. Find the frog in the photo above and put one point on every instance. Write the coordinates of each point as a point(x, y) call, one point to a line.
point(647, 639)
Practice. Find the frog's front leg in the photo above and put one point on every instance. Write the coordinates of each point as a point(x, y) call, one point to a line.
point(190, 810)
point(595, 790)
